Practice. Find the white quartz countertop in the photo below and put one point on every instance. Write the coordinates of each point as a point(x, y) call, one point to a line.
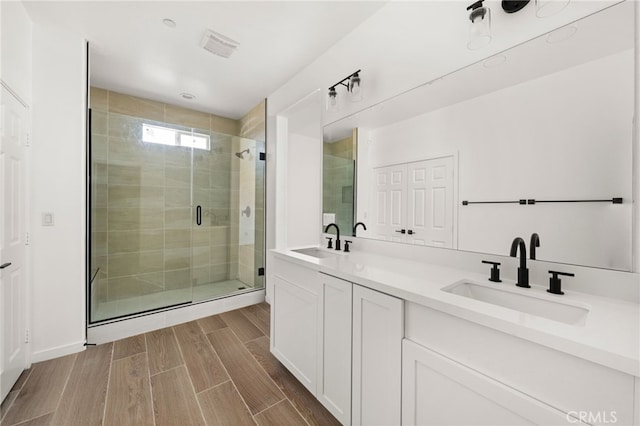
point(610, 335)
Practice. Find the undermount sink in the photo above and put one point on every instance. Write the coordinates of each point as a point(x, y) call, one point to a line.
point(314, 252)
point(516, 299)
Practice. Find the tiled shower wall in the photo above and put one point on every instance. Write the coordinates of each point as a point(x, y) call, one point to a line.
point(338, 180)
point(141, 235)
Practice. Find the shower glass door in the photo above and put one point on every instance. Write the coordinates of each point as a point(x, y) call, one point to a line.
point(228, 222)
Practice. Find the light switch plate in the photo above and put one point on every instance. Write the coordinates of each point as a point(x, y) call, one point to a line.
point(328, 218)
point(47, 219)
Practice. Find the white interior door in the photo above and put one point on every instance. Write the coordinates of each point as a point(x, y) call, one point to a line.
point(430, 202)
point(389, 210)
point(13, 136)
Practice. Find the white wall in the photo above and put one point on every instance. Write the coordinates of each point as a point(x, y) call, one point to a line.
point(15, 57)
point(301, 176)
point(526, 141)
point(58, 186)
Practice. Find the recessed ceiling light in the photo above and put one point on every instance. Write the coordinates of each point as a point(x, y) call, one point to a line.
point(494, 61)
point(188, 96)
point(169, 22)
point(561, 34)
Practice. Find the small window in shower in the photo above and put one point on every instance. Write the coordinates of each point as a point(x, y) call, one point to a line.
point(194, 140)
point(167, 136)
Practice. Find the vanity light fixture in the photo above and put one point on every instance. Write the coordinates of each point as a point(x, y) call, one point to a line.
point(480, 26)
point(353, 83)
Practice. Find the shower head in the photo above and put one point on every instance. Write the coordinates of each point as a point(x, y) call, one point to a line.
point(240, 154)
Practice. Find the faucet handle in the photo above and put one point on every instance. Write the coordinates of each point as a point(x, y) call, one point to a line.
point(346, 245)
point(555, 284)
point(330, 243)
point(495, 271)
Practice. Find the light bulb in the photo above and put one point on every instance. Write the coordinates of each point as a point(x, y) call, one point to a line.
point(480, 28)
point(332, 99)
point(355, 88)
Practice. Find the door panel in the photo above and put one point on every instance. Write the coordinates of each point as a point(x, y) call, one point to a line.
point(13, 133)
point(390, 201)
point(430, 202)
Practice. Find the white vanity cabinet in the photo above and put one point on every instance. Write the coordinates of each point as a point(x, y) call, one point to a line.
point(341, 340)
point(439, 391)
point(334, 368)
point(378, 328)
point(295, 335)
point(459, 372)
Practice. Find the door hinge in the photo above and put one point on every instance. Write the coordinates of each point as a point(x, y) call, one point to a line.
point(26, 239)
point(260, 272)
point(263, 156)
point(28, 140)
point(26, 335)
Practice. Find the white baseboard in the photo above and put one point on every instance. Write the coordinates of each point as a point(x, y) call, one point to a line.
point(57, 352)
point(130, 327)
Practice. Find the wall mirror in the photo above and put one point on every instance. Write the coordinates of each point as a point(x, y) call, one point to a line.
point(536, 139)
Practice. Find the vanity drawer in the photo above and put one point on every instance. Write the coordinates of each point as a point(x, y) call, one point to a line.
point(296, 274)
point(566, 382)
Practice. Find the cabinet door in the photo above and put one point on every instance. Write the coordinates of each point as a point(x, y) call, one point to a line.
point(294, 329)
point(377, 357)
point(439, 391)
point(334, 383)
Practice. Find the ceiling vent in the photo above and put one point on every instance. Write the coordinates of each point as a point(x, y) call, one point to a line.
point(218, 44)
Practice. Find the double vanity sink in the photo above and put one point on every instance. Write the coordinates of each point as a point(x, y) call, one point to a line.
point(505, 352)
point(527, 301)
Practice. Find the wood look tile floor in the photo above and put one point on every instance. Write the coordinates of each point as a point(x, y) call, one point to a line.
point(214, 371)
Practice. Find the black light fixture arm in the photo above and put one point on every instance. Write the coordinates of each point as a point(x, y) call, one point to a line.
point(342, 82)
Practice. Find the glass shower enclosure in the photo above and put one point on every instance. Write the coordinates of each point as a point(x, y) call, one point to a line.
point(176, 215)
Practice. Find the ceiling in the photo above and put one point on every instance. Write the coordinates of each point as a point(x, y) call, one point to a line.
point(133, 52)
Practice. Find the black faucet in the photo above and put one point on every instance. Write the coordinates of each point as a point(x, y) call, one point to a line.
point(523, 272)
point(337, 234)
point(353, 234)
point(533, 243)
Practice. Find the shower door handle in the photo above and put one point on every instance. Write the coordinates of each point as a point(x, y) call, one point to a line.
point(199, 215)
